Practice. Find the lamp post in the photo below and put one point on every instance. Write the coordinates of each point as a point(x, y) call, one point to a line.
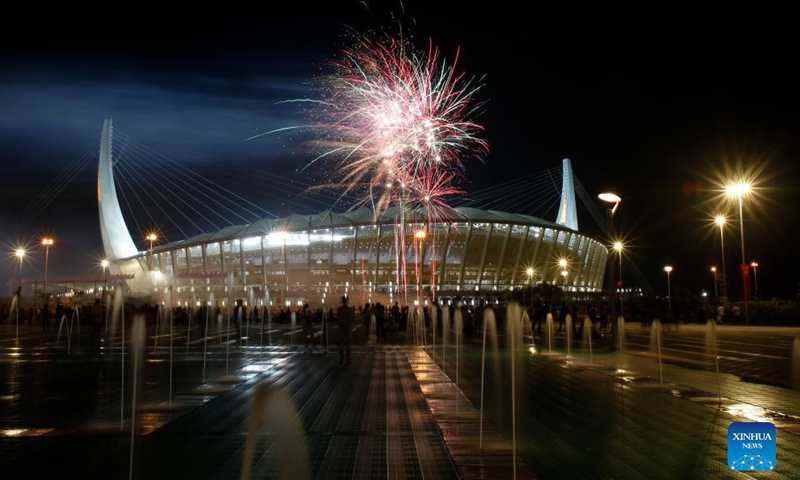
point(739, 191)
point(529, 272)
point(419, 236)
point(755, 275)
point(562, 263)
point(105, 264)
point(714, 271)
point(47, 242)
point(614, 199)
point(618, 249)
point(151, 237)
point(285, 288)
point(20, 253)
point(720, 221)
point(668, 269)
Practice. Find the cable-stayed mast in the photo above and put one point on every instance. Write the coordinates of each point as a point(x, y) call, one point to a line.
point(567, 211)
point(117, 241)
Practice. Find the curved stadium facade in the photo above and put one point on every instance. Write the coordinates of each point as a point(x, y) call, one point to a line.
point(311, 258)
point(304, 256)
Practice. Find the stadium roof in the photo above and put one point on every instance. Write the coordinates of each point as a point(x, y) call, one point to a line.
point(359, 217)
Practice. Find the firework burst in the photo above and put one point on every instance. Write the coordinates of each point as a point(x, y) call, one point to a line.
point(398, 125)
point(402, 124)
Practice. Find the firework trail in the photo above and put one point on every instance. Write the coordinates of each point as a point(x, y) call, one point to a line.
point(401, 123)
point(397, 125)
point(394, 117)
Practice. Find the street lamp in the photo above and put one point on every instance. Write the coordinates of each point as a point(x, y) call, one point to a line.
point(618, 249)
point(720, 221)
point(151, 237)
point(529, 272)
point(610, 198)
point(562, 263)
point(20, 253)
point(755, 274)
point(419, 236)
point(419, 261)
point(105, 264)
point(47, 242)
point(714, 271)
point(739, 191)
point(669, 288)
point(614, 199)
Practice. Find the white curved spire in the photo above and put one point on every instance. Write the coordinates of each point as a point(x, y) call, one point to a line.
point(567, 211)
point(117, 241)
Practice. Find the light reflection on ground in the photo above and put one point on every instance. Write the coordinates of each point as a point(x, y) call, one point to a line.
point(757, 414)
point(25, 432)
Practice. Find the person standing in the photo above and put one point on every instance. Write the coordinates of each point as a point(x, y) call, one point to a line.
point(395, 321)
point(45, 318)
point(308, 327)
point(59, 312)
point(562, 316)
point(380, 313)
point(345, 317)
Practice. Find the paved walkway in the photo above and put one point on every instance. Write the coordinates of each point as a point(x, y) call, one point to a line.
point(368, 419)
point(392, 413)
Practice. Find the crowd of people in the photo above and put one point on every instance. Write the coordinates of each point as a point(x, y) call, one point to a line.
point(388, 319)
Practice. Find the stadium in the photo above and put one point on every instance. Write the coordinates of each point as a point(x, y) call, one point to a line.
point(392, 256)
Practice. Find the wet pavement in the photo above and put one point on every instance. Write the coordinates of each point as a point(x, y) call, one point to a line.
point(394, 412)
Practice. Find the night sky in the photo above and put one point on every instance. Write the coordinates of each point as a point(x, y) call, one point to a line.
point(658, 103)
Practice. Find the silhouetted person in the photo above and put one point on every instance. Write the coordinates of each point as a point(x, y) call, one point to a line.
point(45, 318)
point(240, 315)
point(380, 312)
point(308, 327)
point(345, 317)
point(469, 324)
point(591, 311)
point(573, 313)
point(603, 313)
point(544, 314)
point(562, 315)
point(535, 314)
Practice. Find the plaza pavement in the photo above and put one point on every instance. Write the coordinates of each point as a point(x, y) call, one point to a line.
point(392, 413)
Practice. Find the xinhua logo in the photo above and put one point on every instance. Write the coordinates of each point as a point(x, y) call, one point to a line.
point(751, 446)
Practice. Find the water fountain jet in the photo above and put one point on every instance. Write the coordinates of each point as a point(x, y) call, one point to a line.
point(489, 324)
point(587, 329)
point(514, 330)
point(568, 334)
point(458, 327)
point(271, 406)
point(655, 344)
point(796, 363)
point(138, 340)
point(711, 349)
